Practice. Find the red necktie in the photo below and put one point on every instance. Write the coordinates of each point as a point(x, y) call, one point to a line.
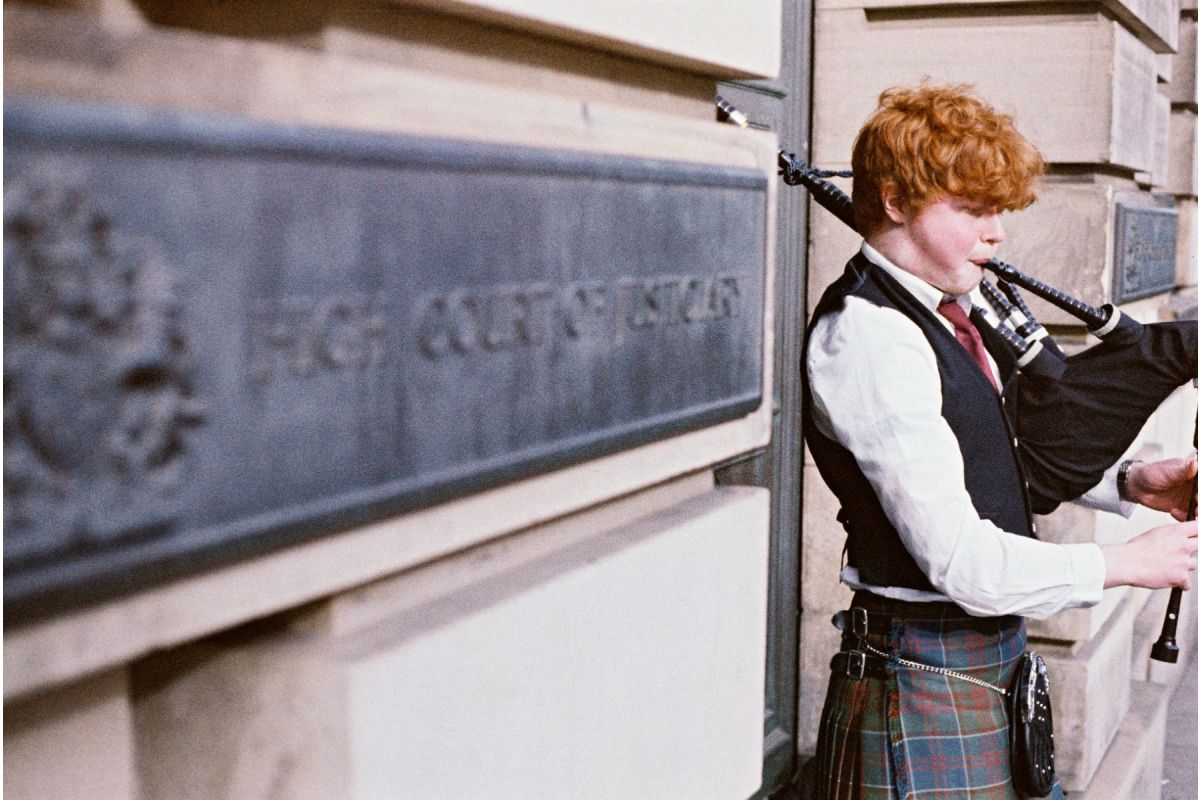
point(968, 337)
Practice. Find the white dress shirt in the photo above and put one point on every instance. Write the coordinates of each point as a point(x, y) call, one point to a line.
point(877, 392)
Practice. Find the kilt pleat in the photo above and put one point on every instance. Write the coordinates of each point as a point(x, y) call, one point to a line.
point(919, 735)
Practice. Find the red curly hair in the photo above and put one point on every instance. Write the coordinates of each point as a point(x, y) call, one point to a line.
point(929, 142)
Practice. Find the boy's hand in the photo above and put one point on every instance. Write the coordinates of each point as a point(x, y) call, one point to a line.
point(1163, 485)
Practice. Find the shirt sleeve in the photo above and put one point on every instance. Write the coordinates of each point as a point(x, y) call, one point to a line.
point(876, 390)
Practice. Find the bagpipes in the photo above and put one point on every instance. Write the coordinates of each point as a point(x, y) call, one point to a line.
point(1079, 413)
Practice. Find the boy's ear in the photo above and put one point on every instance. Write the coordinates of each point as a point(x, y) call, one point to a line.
point(893, 206)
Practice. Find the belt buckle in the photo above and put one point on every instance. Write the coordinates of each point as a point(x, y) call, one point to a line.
point(856, 664)
point(858, 622)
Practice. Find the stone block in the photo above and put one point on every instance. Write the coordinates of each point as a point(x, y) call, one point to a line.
point(1067, 239)
point(557, 663)
point(1158, 175)
point(1164, 64)
point(1080, 86)
point(822, 541)
point(1185, 257)
point(1090, 691)
point(1181, 86)
point(831, 244)
point(1182, 168)
point(819, 640)
point(1155, 22)
point(76, 741)
point(253, 712)
point(1133, 766)
point(627, 664)
point(1152, 21)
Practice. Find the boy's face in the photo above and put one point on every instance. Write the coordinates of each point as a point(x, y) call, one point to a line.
point(947, 242)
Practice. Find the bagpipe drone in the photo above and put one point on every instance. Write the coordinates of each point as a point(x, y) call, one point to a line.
point(1079, 413)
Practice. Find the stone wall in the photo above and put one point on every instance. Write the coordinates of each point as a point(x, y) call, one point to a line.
point(593, 630)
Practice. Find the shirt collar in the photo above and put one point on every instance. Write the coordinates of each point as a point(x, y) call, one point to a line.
point(927, 294)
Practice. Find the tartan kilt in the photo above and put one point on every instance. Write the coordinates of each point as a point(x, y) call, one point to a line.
point(920, 735)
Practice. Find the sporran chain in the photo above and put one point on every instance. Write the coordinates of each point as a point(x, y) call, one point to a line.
point(939, 670)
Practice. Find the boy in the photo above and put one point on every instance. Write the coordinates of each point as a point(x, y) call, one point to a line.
point(905, 413)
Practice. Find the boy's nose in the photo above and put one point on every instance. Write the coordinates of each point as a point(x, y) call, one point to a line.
point(993, 230)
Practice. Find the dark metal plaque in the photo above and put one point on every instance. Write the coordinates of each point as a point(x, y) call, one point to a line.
point(1144, 255)
point(223, 337)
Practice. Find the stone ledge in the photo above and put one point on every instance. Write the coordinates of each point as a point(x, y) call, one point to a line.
point(722, 39)
point(1132, 767)
point(1090, 692)
point(1154, 22)
point(1146, 632)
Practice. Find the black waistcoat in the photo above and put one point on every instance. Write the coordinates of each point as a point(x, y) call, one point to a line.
point(981, 421)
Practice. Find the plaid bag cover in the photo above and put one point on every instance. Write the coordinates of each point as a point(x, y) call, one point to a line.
point(920, 735)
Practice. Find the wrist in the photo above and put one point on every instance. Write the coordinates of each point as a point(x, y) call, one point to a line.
point(1113, 565)
point(1122, 565)
point(1127, 480)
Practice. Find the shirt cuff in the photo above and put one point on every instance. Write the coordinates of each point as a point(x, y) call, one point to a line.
point(1087, 565)
point(1104, 496)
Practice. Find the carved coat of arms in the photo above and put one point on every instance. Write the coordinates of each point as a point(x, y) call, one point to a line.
point(96, 386)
